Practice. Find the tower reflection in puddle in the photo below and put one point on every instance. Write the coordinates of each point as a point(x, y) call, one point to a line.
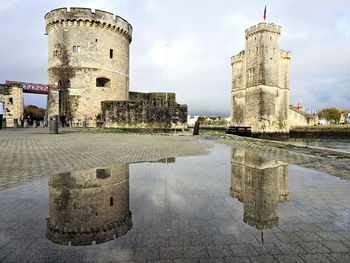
point(89, 205)
point(260, 184)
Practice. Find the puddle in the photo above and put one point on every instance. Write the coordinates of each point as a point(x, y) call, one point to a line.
point(197, 207)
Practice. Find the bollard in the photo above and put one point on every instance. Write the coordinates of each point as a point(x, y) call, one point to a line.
point(196, 128)
point(41, 124)
point(15, 123)
point(84, 123)
point(34, 124)
point(4, 123)
point(53, 125)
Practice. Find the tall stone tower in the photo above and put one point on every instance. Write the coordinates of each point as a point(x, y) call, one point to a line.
point(260, 82)
point(261, 184)
point(88, 59)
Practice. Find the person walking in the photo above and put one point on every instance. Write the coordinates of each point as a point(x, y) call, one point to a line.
point(22, 120)
point(63, 120)
point(1, 113)
point(70, 120)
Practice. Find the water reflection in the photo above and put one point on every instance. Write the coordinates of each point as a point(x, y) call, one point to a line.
point(89, 205)
point(260, 184)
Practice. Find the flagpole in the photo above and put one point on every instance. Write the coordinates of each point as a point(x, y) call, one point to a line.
point(166, 72)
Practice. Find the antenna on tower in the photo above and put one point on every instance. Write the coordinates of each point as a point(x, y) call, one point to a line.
point(166, 72)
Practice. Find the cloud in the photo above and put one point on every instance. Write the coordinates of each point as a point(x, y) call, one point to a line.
point(201, 37)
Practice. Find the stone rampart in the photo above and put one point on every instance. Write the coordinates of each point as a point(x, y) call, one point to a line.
point(147, 110)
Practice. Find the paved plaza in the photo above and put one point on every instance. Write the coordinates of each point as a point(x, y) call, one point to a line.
point(30, 154)
point(182, 211)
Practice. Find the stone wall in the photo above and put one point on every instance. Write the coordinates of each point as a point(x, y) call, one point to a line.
point(299, 118)
point(12, 97)
point(146, 110)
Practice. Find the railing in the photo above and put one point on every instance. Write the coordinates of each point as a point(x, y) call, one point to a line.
point(36, 88)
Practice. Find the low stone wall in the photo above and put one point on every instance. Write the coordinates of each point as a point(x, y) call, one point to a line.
point(321, 131)
point(299, 118)
point(144, 110)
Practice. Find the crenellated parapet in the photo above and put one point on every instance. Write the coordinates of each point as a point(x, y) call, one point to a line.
point(85, 17)
point(239, 58)
point(85, 235)
point(286, 54)
point(262, 27)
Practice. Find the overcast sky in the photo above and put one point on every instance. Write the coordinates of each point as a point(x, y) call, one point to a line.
point(201, 37)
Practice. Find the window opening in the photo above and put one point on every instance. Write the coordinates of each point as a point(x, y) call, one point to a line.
point(76, 49)
point(103, 82)
point(111, 201)
point(111, 53)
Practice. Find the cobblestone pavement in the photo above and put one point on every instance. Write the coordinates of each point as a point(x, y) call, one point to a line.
point(30, 154)
point(322, 160)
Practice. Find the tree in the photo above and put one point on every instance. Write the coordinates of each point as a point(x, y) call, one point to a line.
point(331, 115)
point(34, 112)
point(344, 111)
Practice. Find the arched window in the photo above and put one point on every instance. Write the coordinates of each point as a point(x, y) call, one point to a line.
point(103, 82)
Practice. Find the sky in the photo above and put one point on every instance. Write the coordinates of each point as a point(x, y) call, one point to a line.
point(201, 36)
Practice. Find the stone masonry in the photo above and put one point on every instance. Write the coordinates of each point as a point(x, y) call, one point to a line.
point(145, 110)
point(12, 97)
point(89, 205)
point(261, 184)
point(88, 60)
point(260, 83)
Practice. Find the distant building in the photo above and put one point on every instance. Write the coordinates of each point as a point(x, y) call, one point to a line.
point(347, 118)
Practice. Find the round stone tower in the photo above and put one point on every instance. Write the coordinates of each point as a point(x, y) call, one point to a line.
point(88, 60)
point(89, 205)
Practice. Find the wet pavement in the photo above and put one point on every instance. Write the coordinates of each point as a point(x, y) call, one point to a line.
point(230, 205)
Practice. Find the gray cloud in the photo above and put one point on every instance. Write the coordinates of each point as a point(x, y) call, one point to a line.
point(201, 37)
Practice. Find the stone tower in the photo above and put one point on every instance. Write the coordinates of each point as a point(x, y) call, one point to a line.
point(88, 59)
point(89, 205)
point(260, 82)
point(261, 184)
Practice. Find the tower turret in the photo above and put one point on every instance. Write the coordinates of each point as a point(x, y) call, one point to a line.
point(262, 45)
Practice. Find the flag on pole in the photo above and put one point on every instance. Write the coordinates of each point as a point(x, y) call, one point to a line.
point(265, 13)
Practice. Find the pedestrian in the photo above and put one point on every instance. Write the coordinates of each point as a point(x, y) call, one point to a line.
point(70, 120)
point(22, 120)
point(1, 113)
point(63, 120)
point(29, 121)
